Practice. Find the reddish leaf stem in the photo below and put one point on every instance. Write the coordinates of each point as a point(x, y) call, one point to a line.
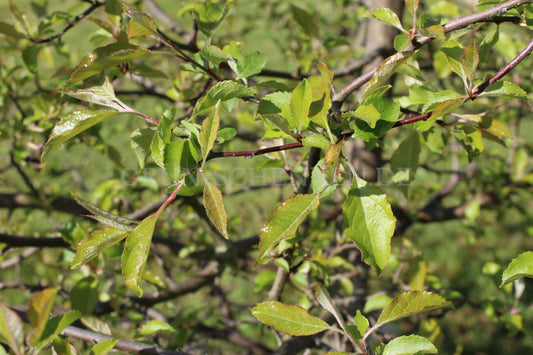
point(170, 198)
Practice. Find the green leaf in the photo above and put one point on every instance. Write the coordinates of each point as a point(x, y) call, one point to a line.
point(144, 21)
point(215, 55)
point(470, 59)
point(250, 65)
point(521, 266)
point(154, 327)
point(471, 138)
point(209, 130)
point(208, 15)
point(135, 253)
point(321, 89)
point(305, 18)
point(289, 319)
point(333, 153)
point(369, 222)
point(410, 303)
point(323, 297)
point(55, 326)
point(95, 243)
point(389, 17)
point(101, 95)
point(412, 6)
point(445, 108)
point(29, 56)
point(453, 51)
point(11, 329)
point(39, 308)
point(158, 150)
point(284, 222)
point(214, 206)
point(104, 347)
point(179, 159)
point(316, 141)
point(73, 124)
point(276, 103)
point(359, 327)
point(106, 217)
point(368, 113)
point(141, 140)
point(404, 161)
point(10, 30)
point(505, 88)
point(385, 70)
point(300, 103)
point(401, 41)
point(84, 294)
point(223, 91)
point(409, 344)
point(489, 125)
point(103, 58)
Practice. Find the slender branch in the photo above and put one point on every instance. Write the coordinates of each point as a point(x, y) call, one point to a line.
point(71, 24)
point(252, 153)
point(456, 24)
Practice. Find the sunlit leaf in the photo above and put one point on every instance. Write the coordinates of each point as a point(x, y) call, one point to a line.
point(106, 217)
point(55, 326)
point(214, 206)
point(155, 327)
point(505, 88)
point(389, 17)
point(144, 21)
point(135, 253)
point(409, 344)
point(84, 294)
point(410, 303)
point(284, 222)
point(369, 114)
point(215, 55)
point(101, 95)
point(521, 266)
point(223, 91)
point(40, 306)
point(323, 297)
point(300, 103)
point(208, 133)
point(470, 59)
point(104, 58)
point(289, 319)
point(412, 6)
point(11, 329)
point(95, 243)
point(369, 222)
point(104, 347)
point(141, 140)
point(73, 124)
point(385, 70)
point(179, 159)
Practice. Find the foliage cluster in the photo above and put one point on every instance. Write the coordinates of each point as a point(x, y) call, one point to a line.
point(171, 240)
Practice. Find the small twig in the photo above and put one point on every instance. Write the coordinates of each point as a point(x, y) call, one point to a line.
point(252, 153)
point(71, 24)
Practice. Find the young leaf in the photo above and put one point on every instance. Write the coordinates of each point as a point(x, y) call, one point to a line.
point(284, 222)
point(140, 141)
point(63, 347)
point(10, 30)
point(208, 133)
point(29, 57)
point(470, 59)
point(208, 15)
point(215, 55)
point(55, 326)
point(385, 70)
point(521, 266)
point(223, 91)
point(154, 327)
point(95, 243)
point(323, 297)
point(101, 95)
point(289, 319)
point(409, 344)
point(106, 217)
point(104, 58)
point(410, 303)
point(368, 113)
point(412, 6)
point(300, 103)
point(316, 141)
point(11, 329)
point(84, 294)
point(445, 108)
point(40, 306)
point(505, 88)
point(359, 327)
point(321, 88)
point(250, 65)
point(276, 103)
point(179, 159)
point(135, 253)
point(144, 21)
point(71, 125)
point(369, 222)
point(214, 206)
point(389, 17)
point(104, 347)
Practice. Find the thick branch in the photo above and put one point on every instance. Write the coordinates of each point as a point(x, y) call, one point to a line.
point(16, 241)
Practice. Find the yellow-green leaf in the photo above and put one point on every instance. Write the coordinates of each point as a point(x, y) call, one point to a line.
point(470, 59)
point(214, 206)
point(385, 70)
point(95, 243)
point(409, 344)
point(11, 329)
point(284, 222)
point(300, 103)
point(209, 130)
point(369, 222)
point(389, 17)
point(135, 253)
point(289, 319)
point(521, 266)
point(410, 303)
point(40, 306)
